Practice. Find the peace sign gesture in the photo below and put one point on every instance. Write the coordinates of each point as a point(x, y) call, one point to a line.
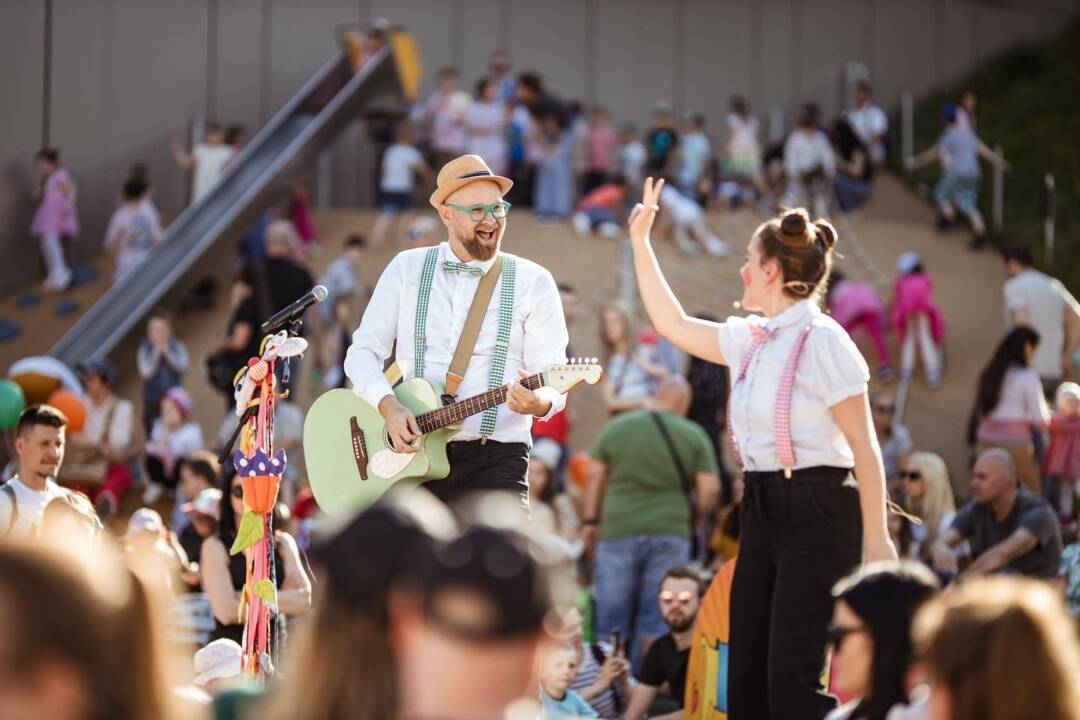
point(643, 214)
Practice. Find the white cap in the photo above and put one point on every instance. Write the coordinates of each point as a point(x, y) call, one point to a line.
point(145, 520)
point(207, 502)
point(546, 452)
point(220, 660)
point(907, 262)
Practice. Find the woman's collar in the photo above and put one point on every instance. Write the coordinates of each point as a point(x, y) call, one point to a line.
point(793, 314)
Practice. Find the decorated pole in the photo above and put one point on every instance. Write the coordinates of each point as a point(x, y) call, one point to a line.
point(260, 470)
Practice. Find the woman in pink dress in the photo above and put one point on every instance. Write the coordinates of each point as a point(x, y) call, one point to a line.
point(56, 217)
point(854, 305)
point(917, 319)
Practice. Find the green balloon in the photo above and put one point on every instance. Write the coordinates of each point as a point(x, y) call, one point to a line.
point(12, 402)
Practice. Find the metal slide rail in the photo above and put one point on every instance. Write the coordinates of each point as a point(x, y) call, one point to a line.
point(308, 123)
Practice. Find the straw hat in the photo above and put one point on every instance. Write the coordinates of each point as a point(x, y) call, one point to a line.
point(461, 171)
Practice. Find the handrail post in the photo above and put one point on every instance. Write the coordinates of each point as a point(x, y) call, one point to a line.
point(776, 124)
point(907, 127)
point(999, 192)
point(1048, 216)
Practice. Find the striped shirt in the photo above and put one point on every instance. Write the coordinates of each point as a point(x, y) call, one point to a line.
point(605, 703)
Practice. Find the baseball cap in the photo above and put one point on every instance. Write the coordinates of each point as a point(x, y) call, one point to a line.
point(179, 397)
point(219, 660)
point(483, 586)
point(546, 452)
point(907, 262)
point(207, 502)
point(368, 556)
point(661, 106)
point(144, 520)
point(101, 367)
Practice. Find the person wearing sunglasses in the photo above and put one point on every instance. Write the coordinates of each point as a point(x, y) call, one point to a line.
point(666, 659)
point(893, 437)
point(928, 495)
point(491, 450)
point(224, 575)
point(870, 636)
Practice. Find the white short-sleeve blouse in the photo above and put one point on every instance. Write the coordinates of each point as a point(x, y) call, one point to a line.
point(830, 369)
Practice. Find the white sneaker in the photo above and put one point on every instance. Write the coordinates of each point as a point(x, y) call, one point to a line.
point(610, 230)
point(687, 245)
point(582, 224)
point(152, 493)
point(715, 246)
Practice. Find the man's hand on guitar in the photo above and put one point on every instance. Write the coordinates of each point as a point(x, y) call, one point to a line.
point(400, 424)
point(524, 401)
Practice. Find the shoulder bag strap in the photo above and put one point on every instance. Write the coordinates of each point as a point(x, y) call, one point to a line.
point(471, 330)
point(683, 477)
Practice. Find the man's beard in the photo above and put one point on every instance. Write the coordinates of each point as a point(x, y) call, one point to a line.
point(479, 251)
point(684, 623)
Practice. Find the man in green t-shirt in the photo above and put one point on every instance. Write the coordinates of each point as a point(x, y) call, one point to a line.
point(639, 511)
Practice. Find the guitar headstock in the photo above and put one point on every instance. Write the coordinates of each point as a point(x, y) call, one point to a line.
point(576, 371)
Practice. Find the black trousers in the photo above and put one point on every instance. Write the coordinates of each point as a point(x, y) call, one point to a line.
point(476, 466)
point(799, 536)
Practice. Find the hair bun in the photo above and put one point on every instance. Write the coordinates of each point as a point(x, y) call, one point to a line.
point(793, 228)
point(826, 232)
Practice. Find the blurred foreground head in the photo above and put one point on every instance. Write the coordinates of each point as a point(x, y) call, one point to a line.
point(998, 648)
point(415, 619)
point(77, 639)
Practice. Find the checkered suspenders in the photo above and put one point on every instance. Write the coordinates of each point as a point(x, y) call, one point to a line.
point(496, 375)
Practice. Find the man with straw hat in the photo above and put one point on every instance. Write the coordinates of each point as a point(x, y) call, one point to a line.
point(422, 302)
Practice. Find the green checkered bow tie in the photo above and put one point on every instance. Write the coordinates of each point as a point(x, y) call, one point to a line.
point(456, 267)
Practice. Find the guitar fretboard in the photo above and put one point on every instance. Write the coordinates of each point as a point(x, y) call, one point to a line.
point(457, 412)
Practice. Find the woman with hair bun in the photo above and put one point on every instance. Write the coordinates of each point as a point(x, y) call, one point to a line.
point(800, 426)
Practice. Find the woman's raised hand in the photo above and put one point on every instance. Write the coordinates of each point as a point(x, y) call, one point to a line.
point(644, 213)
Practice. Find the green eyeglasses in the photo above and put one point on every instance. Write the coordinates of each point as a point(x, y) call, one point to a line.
point(477, 213)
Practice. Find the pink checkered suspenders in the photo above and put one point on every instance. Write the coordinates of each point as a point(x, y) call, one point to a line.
point(785, 448)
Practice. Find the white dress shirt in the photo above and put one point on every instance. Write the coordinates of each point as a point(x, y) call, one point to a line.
point(538, 335)
point(870, 121)
point(830, 369)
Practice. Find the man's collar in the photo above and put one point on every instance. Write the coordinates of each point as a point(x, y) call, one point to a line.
point(448, 254)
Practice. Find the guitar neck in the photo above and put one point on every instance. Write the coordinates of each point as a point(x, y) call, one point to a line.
point(457, 412)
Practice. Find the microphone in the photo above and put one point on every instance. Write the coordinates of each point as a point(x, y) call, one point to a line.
point(283, 317)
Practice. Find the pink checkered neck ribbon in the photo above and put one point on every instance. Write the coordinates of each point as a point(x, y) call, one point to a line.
point(785, 447)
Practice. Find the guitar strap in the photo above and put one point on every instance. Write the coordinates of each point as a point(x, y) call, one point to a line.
point(502, 267)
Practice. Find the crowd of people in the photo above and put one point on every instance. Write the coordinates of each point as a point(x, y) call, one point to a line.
point(407, 611)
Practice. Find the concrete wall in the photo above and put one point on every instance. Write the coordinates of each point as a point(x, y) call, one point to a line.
point(111, 81)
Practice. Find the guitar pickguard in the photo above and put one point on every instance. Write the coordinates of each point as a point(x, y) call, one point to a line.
point(387, 463)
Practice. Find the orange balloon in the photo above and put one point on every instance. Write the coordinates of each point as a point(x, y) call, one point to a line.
point(71, 405)
point(578, 468)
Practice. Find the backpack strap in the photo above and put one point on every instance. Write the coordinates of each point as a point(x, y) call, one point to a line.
point(6, 489)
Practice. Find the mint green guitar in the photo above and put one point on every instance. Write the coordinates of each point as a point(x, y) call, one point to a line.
point(350, 461)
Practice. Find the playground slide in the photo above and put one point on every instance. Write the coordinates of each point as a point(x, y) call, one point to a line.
point(291, 140)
